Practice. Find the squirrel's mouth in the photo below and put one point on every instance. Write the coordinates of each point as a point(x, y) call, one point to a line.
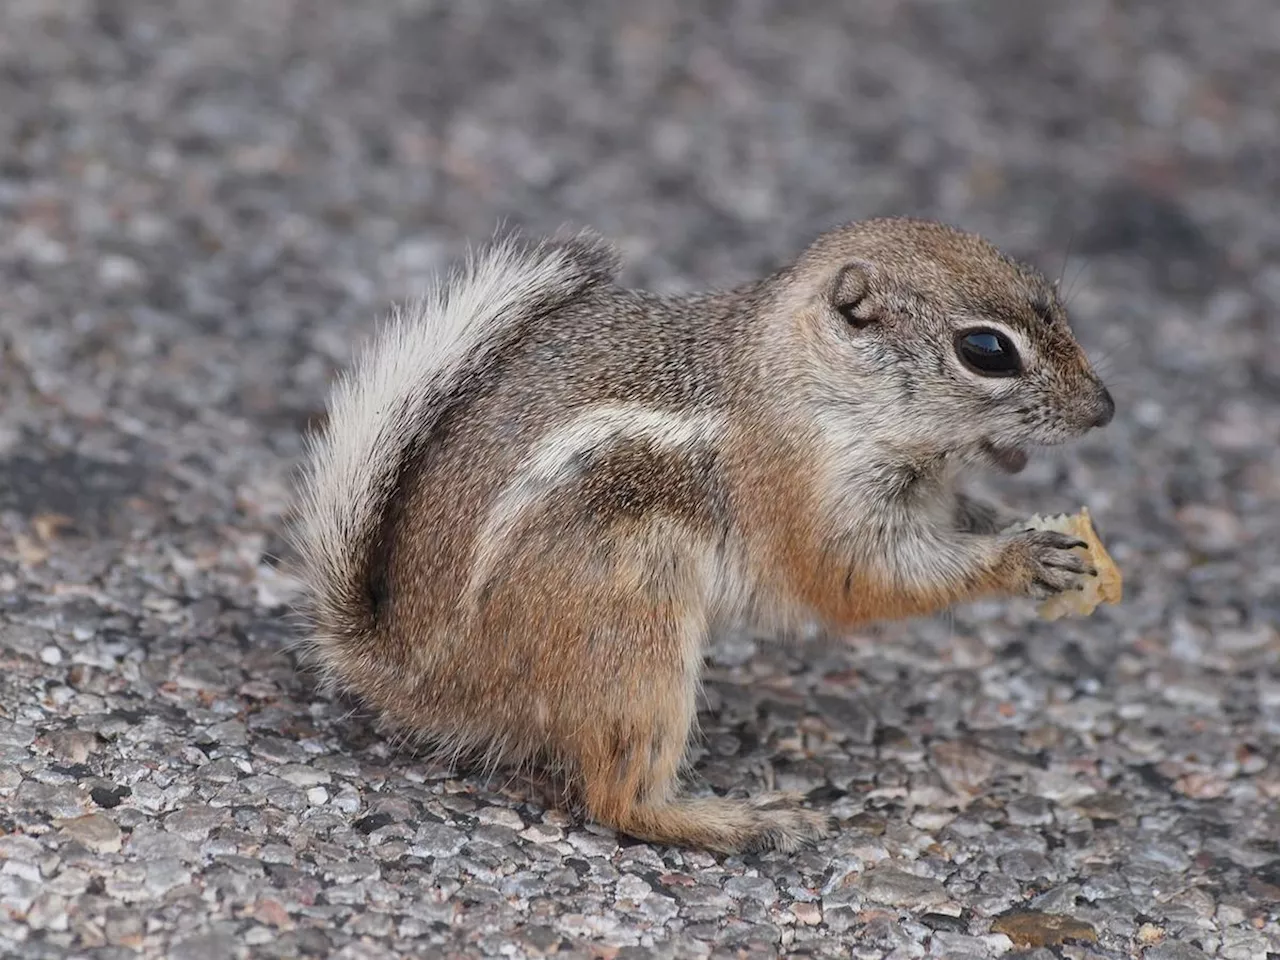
point(1008, 459)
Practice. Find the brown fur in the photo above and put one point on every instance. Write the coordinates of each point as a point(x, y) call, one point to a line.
point(627, 473)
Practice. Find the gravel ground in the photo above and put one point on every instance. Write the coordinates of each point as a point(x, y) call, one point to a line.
point(204, 204)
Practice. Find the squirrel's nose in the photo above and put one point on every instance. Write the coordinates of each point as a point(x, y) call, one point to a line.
point(1107, 408)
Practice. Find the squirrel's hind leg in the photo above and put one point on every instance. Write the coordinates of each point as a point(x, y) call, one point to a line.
point(608, 664)
point(627, 765)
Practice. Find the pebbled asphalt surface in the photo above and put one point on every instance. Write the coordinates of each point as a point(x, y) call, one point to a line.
point(204, 205)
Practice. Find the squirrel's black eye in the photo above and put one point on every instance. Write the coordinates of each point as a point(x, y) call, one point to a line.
point(989, 353)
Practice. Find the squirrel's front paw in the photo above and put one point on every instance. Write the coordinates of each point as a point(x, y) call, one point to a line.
point(1044, 563)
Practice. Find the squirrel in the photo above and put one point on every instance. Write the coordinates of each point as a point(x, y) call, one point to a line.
point(538, 494)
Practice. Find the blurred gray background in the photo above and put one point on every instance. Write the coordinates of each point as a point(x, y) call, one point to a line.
point(205, 205)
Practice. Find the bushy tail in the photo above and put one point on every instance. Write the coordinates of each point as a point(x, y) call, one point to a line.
point(393, 398)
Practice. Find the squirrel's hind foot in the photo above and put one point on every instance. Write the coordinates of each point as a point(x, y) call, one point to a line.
point(770, 822)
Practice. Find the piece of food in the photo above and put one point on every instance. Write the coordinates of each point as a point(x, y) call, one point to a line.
point(1106, 587)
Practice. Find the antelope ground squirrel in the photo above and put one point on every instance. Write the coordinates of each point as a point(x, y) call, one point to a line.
point(538, 494)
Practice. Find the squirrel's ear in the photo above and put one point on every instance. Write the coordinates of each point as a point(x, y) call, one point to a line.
point(849, 294)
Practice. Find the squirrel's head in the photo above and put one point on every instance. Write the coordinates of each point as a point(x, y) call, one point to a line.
point(937, 342)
